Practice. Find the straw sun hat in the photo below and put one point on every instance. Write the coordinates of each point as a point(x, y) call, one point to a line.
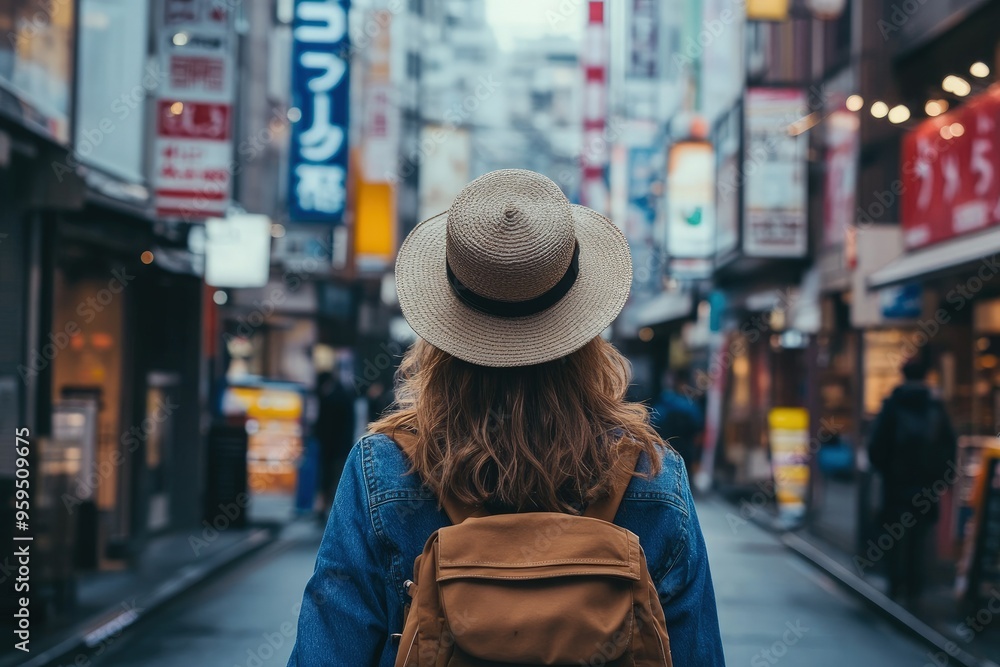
point(513, 274)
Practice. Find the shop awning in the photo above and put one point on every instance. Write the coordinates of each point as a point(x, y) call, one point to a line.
point(937, 259)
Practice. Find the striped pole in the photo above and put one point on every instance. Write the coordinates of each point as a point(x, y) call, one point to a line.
point(594, 158)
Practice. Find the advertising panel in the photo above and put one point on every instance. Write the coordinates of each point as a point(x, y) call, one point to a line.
point(951, 173)
point(320, 91)
point(789, 438)
point(192, 149)
point(645, 191)
point(842, 139)
point(110, 108)
point(36, 64)
point(374, 224)
point(775, 194)
point(691, 200)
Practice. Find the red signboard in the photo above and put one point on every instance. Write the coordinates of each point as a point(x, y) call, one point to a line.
point(951, 173)
point(193, 120)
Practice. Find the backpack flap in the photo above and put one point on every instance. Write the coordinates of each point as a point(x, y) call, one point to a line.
point(538, 588)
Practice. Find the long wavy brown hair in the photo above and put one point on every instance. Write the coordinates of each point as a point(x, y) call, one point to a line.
point(550, 437)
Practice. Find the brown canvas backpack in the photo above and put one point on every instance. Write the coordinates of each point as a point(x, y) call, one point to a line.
point(535, 588)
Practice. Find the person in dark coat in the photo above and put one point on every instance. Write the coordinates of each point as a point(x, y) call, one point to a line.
point(678, 419)
point(334, 430)
point(912, 445)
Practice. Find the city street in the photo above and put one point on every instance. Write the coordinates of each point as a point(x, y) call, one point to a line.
point(234, 235)
point(773, 607)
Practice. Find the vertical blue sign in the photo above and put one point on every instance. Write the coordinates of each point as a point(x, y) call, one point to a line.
point(320, 86)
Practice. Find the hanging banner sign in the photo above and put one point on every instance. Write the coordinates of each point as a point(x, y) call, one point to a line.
point(193, 149)
point(951, 173)
point(320, 87)
point(775, 168)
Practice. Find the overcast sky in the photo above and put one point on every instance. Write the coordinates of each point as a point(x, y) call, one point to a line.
point(536, 18)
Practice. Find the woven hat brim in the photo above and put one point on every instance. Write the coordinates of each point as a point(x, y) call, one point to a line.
point(438, 316)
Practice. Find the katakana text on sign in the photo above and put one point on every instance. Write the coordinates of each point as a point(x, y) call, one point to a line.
point(320, 85)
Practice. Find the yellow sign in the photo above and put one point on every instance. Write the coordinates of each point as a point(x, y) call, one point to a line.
point(767, 10)
point(374, 236)
point(263, 403)
point(789, 438)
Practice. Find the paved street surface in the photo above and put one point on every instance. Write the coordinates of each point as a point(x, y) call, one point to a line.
point(774, 608)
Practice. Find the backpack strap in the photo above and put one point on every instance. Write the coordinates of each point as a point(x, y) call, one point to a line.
point(604, 509)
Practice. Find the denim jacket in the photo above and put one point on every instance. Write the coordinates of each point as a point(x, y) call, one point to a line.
point(382, 517)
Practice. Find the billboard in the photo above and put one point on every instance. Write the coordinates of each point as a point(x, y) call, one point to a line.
point(36, 64)
point(951, 173)
point(320, 85)
point(691, 200)
point(843, 145)
point(375, 196)
point(192, 146)
point(775, 174)
point(110, 123)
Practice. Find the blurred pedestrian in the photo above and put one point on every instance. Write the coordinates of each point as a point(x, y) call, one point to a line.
point(510, 409)
point(335, 426)
point(380, 398)
point(678, 419)
point(912, 445)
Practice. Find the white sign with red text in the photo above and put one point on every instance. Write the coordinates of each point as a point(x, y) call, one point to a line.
point(192, 152)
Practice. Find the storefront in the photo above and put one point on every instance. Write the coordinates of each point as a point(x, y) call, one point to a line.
point(950, 210)
point(124, 370)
